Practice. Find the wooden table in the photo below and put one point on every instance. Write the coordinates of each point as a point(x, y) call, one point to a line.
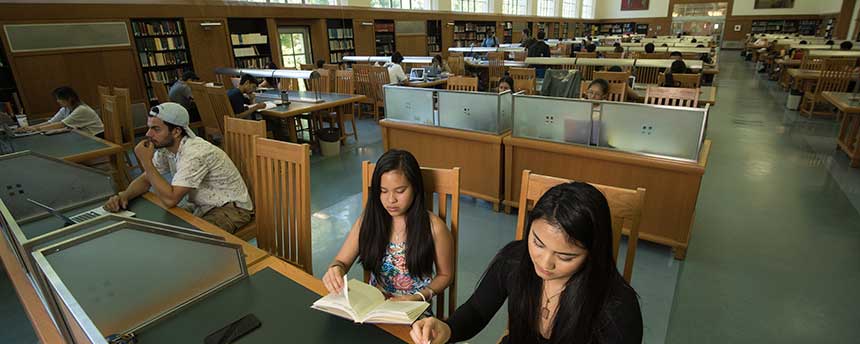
point(848, 139)
point(310, 282)
point(296, 107)
point(74, 146)
point(486, 64)
point(707, 94)
point(429, 83)
point(800, 77)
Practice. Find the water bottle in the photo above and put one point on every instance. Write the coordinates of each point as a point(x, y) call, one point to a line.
point(285, 97)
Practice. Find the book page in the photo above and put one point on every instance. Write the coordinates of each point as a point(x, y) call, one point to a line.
point(362, 297)
point(397, 312)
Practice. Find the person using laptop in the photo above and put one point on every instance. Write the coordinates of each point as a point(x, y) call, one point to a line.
point(396, 75)
point(200, 170)
point(437, 67)
point(73, 114)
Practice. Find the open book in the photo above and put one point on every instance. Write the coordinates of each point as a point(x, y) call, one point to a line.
point(363, 303)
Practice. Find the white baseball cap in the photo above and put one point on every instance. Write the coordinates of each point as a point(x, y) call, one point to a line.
point(173, 113)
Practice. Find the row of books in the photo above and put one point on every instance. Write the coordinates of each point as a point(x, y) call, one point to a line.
point(160, 43)
point(163, 27)
point(249, 38)
point(149, 59)
point(339, 33)
point(246, 51)
point(163, 76)
point(472, 27)
point(470, 36)
point(259, 63)
point(340, 44)
point(338, 57)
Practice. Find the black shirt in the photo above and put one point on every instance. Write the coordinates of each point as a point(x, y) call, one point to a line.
point(539, 49)
point(237, 100)
point(623, 318)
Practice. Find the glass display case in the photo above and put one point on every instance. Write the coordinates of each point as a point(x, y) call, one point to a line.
point(485, 112)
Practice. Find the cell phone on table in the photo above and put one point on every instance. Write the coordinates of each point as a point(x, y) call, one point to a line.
point(230, 333)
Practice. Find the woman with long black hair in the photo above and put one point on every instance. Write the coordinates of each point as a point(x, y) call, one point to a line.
point(561, 282)
point(397, 238)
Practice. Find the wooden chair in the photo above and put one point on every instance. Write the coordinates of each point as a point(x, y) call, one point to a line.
point(159, 89)
point(282, 197)
point(112, 133)
point(496, 61)
point(457, 64)
point(220, 104)
point(617, 92)
point(647, 75)
point(345, 84)
point(332, 69)
point(612, 77)
point(286, 84)
point(587, 71)
point(361, 76)
point(126, 120)
point(672, 96)
point(443, 183)
point(519, 55)
point(378, 78)
point(306, 66)
point(323, 83)
point(811, 63)
point(527, 86)
point(835, 76)
point(518, 73)
point(585, 54)
point(652, 56)
point(104, 90)
point(239, 138)
point(211, 124)
point(686, 80)
point(463, 83)
point(625, 208)
point(613, 55)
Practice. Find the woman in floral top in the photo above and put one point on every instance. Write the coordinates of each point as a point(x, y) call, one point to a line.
point(397, 238)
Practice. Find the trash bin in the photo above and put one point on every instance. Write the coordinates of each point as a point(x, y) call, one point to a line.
point(793, 102)
point(329, 141)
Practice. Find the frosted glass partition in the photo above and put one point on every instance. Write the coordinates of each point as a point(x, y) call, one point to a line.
point(23, 177)
point(477, 111)
point(649, 129)
point(506, 111)
point(126, 276)
point(555, 119)
point(409, 104)
point(834, 53)
point(55, 36)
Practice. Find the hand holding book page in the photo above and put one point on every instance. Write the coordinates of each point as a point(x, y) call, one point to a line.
point(364, 303)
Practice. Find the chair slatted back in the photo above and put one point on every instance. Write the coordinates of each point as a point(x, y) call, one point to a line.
point(286, 84)
point(653, 56)
point(204, 106)
point(836, 74)
point(463, 83)
point(519, 55)
point(585, 54)
point(496, 61)
point(361, 74)
point(220, 104)
point(444, 183)
point(518, 73)
point(378, 78)
point(323, 83)
point(672, 96)
point(159, 89)
point(281, 178)
point(123, 99)
point(617, 92)
point(685, 80)
point(613, 55)
point(529, 86)
point(457, 64)
point(625, 208)
point(344, 82)
point(647, 75)
point(110, 119)
point(811, 63)
point(612, 77)
point(239, 137)
point(587, 71)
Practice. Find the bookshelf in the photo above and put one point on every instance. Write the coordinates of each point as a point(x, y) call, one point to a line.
point(249, 39)
point(565, 30)
point(508, 32)
point(384, 31)
point(467, 34)
point(642, 29)
point(340, 39)
point(434, 37)
point(161, 49)
point(803, 27)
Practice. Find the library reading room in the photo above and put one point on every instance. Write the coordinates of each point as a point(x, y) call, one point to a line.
point(429, 171)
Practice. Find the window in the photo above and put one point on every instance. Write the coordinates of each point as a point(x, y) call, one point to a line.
point(306, 2)
point(568, 8)
point(546, 8)
point(479, 6)
point(588, 9)
point(515, 7)
point(402, 4)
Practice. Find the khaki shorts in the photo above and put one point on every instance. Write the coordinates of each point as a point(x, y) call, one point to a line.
point(229, 217)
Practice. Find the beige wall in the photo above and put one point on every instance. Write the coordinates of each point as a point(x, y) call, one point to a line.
point(611, 9)
point(747, 8)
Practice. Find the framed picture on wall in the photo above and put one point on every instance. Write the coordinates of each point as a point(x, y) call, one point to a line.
point(737, 28)
point(634, 5)
point(762, 4)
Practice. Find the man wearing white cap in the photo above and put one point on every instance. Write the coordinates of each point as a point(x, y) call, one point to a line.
point(215, 189)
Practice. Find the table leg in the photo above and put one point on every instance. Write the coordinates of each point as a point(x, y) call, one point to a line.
point(291, 129)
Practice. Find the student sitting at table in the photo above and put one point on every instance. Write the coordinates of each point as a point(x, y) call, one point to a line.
point(527, 40)
point(437, 67)
point(396, 75)
point(677, 67)
point(491, 41)
point(180, 93)
point(215, 189)
point(829, 42)
point(506, 83)
point(560, 281)
point(539, 48)
point(73, 114)
point(598, 89)
point(846, 45)
point(397, 238)
point(269, 82)
point(676, 55)
point(649, 48)
point(244, 94)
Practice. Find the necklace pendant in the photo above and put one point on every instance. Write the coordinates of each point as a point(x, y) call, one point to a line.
point(544, 313)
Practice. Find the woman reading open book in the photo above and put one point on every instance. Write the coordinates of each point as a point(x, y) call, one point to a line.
point(560, 282)
point(396, 238)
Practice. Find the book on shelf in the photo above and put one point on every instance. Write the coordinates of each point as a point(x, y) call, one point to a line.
point(259, 62)
point(157, 59)
point(338, 33)
point(163, 27)
point(249, 38)
point(160, 43)
point(245, 51)
point(363, 303)
point(162, 76)
point(340, 45)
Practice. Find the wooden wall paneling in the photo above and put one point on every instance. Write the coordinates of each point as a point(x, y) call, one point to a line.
point(210, 47)
point(843, 21)
point(364, 37)
point(274, 41)
point(412, 45)
point(447, 35)
point(319, 40)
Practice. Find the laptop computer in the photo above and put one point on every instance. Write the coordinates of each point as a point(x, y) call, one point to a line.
point(81, 217)
point(416, 74)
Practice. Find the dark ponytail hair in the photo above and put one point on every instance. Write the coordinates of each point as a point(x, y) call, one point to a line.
point(582, 213)
point(375, 230)
point(68, 94)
